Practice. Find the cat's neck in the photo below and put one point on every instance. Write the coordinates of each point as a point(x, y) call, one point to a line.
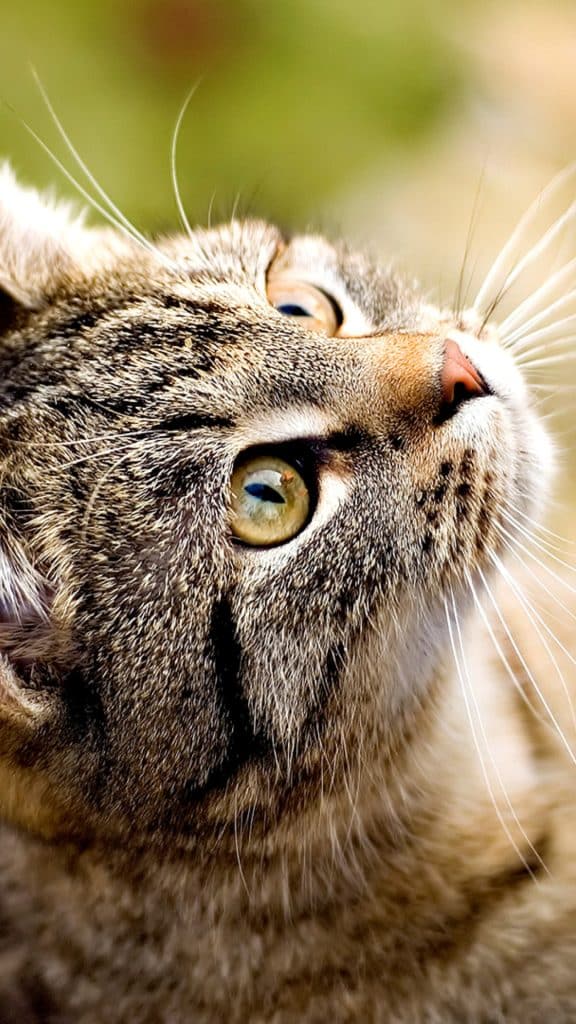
point(259, 920)
point(464, 769)
point(465, 781)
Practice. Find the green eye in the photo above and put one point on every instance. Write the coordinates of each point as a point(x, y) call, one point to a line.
point(310, 306)
point(270, 501)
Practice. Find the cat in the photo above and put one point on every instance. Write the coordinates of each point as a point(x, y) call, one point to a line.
point(275, 744)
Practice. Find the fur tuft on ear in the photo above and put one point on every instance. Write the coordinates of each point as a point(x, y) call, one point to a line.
point(24, 607)
point(40, 241)
point(24, 637)
point(21, 589)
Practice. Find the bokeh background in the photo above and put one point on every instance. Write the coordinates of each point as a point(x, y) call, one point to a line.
point(398, 123)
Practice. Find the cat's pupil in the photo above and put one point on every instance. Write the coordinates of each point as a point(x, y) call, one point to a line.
point(265, 493)
point(291, 309)
point(270, 501)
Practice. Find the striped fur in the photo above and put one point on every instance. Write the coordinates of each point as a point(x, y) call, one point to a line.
point(237, 784)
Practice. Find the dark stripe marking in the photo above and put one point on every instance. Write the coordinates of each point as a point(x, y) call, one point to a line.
point(192, 421)
point(245, 743)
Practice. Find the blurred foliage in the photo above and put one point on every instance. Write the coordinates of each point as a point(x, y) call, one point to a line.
point(295, 99)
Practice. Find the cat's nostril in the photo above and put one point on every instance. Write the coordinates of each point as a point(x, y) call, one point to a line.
point(460, 381)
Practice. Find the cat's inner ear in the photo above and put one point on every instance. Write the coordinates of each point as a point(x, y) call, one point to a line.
point(26, 633)
point(24, 604)
point(41, 243)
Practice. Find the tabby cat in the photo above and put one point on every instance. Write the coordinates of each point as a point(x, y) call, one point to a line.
point(274, 745)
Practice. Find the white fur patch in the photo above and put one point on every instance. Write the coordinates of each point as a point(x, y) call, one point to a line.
point(20, 589)
point(40, 240)
point(286, 425)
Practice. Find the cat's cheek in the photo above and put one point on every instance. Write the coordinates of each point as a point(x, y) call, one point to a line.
point(30, 733)
point(539, 465)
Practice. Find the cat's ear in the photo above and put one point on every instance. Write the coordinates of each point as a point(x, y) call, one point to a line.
point(25, 632)
point(32, 726)
point(41, 244)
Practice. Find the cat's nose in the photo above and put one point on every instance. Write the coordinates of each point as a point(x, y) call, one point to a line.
point(460, 380)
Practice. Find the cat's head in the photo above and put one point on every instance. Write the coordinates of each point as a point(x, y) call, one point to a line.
point(241, 476)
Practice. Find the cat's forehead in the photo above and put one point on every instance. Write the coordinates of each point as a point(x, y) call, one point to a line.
point(246, 253)
point(50, 260)
point(351, 276)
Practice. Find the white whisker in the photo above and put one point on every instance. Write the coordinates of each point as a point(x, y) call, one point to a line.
point(515, 322)
point(94, 202)
point(506, 253)
point(467, 693)
point(542, 543)
point(90, 504)
point(536, 618)
point(237, 848)
point(210, 210)
point(236, 205)
point(529, 364)
point(514, 544)
point(458, 301)
point(121, 220)
point(498, 647)
point(552, 332)
point(540, 247)
point(515, 337)
point(538, 526)
point(113, 435)
point(529, 674)
point(96, 455)
point(173, 164)
point(552, 347)
point(515, 540)
point(513, 548)
point(554, 389)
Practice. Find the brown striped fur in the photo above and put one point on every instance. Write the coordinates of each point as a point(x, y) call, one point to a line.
point(241, 785)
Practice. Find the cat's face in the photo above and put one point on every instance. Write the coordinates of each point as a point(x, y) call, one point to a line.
point(227, 535)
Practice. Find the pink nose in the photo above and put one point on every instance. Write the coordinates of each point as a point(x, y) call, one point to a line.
point(460, 380)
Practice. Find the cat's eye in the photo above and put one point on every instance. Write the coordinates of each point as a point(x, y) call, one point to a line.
point(270, 502)
point(309, 305)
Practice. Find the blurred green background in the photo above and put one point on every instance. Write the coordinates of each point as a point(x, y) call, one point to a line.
point(376, 117)
point(386, 120)
point(294, 99)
